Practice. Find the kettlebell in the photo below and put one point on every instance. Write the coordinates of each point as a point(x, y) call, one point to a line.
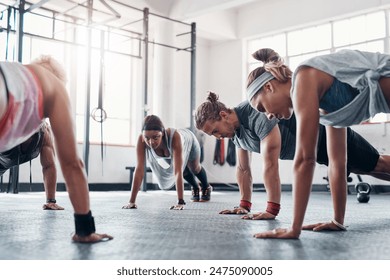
point(363, 192)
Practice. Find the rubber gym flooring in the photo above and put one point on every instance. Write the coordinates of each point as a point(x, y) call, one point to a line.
point(153, 232)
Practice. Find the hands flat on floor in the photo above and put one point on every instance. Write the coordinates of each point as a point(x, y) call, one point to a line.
point(279, 233)
point(326, 226)
point(235, 211)
point(283, 233)
point(259, 216)
point(177, 207)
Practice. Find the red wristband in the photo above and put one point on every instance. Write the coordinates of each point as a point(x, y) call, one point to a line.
point(246, 205)
point(273, 208)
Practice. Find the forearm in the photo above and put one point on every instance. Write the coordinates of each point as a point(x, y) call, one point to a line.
point(180, 186)
point(137, 181)
point(244, 180)
point(77, 186)
point(337, 152)
point(272, 183)
point(338, 186)
point(303, 177)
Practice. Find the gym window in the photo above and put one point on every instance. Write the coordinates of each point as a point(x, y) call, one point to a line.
point(65, 39)
point(366, 32)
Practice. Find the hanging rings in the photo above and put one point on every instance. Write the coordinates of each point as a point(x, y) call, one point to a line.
point(99, 115)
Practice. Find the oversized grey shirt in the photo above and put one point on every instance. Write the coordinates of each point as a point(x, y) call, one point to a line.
point(360, 70)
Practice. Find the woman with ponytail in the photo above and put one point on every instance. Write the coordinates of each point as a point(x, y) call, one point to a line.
point(252, 132)
point(337, 90)
point(173, 155)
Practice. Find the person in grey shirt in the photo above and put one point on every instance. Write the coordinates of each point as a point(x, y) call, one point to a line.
point(252, 131)
point(337, 90)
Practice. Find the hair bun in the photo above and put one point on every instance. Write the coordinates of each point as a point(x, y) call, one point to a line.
point(266, 55)
point(212, 97)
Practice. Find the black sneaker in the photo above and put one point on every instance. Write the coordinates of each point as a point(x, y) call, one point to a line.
point(195, 194)
point(206, 194)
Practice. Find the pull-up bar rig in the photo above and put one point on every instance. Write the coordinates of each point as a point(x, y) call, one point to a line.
point(143, 38)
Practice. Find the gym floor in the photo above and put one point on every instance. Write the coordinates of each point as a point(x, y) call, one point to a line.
point(152, 232)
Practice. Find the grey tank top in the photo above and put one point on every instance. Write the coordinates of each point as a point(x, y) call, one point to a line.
point(162, 167)
point(361, 70)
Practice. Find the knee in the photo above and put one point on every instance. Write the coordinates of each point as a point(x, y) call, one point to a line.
point(71, 166)
point(195, 167)
point(49, 167)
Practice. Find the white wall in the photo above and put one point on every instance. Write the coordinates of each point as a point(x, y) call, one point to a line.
point(226, 63)
point(115, 160)
point(270, 16)
point(224, 68)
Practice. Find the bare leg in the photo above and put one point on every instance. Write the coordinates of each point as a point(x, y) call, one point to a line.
point(47, 157)
point(384, 83)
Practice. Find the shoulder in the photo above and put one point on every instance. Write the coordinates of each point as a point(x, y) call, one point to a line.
point(51, 86)
point(306, 71)
point(140, 142)
point(175, 135)
point(312, 77)
point(259, 119)
point(176, 140)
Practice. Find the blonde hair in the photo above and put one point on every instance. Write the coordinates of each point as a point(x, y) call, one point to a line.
point(272, 63)
point(52, 65)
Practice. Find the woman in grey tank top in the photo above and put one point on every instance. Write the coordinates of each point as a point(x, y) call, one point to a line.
point(338, 90)
point(252, 132)
point(173, 155)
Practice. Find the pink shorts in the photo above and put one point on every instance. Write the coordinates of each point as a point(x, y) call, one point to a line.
point(24, 112)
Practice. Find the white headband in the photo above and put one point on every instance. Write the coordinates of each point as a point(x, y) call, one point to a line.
point(257, 84)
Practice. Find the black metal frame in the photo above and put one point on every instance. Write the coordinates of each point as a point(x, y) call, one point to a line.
point(141, 37)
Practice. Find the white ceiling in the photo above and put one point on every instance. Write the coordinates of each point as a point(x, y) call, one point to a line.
point(215, 19)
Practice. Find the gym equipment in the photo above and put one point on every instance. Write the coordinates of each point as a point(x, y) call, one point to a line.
point(362, 189)
point(231, 153)
point(219, 152)
point(363, 192)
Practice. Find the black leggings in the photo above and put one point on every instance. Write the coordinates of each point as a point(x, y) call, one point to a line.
point(190, 178)
point(22, 153)
point(362, 156)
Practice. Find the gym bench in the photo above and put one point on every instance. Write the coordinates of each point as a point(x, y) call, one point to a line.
point(132, 168)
